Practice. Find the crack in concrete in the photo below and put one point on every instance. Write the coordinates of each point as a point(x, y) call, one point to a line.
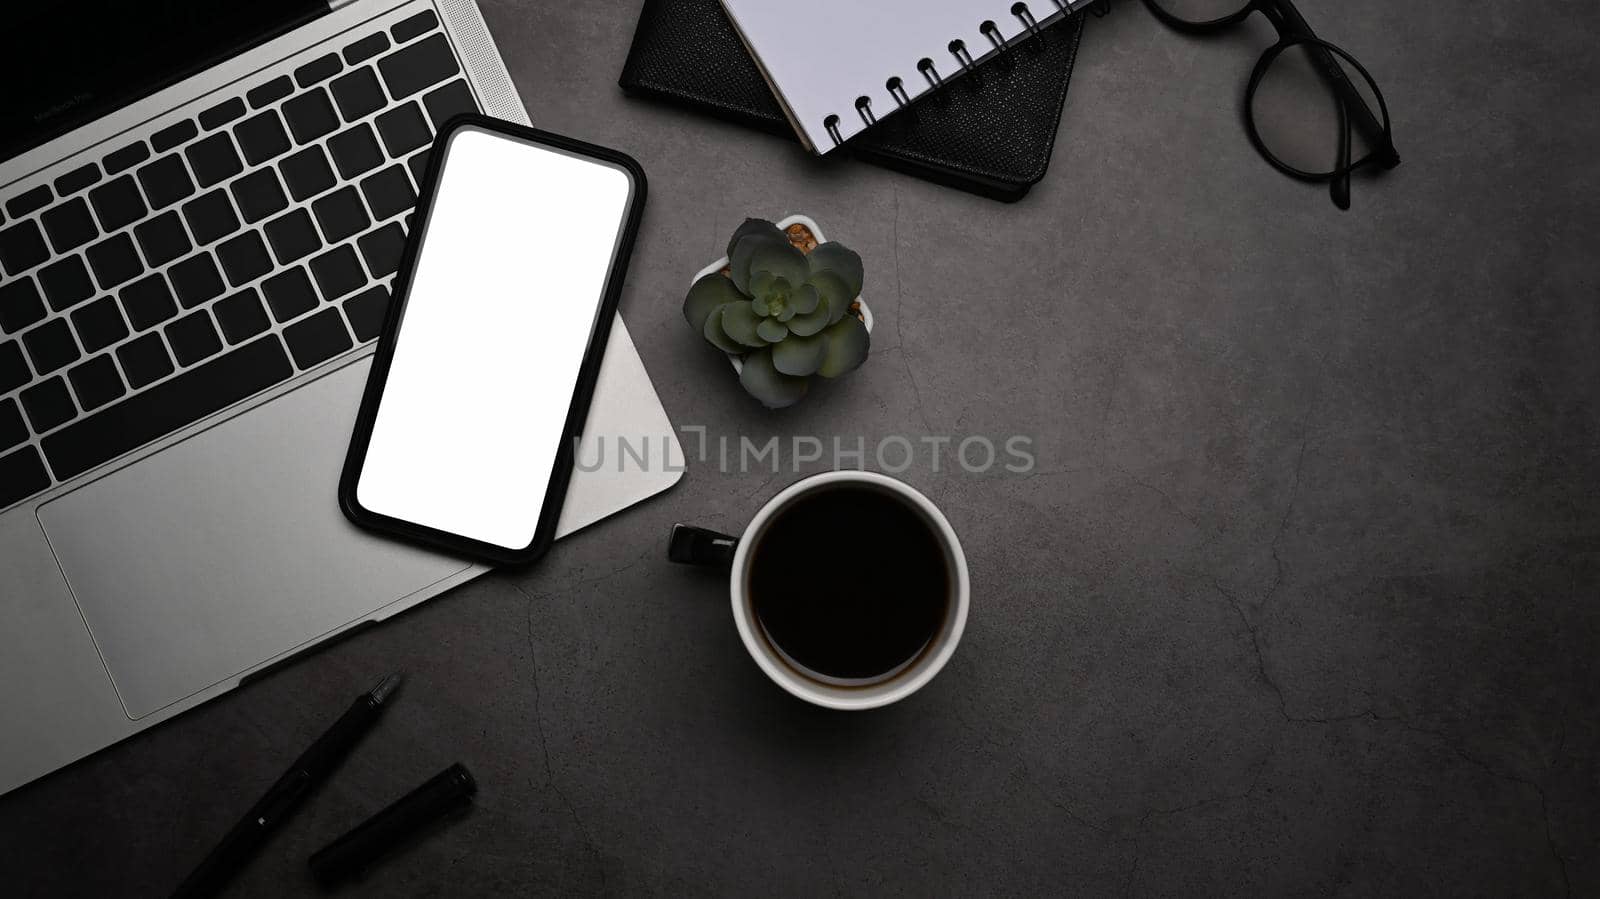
point(1140, 828)
point(1536, 786)
point(544, 745)
point(899, 316)
point(1178, 509)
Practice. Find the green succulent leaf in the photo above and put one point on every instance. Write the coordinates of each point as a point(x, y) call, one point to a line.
point(848, 343)
point(772, 387)
point(739, 322)
point(761, 282)
point(837, 259)
point(781, 259)
point(740, 267)
point(705, 295)
point(717, 336)
point(786, 313)
point(837, 293)
point(800, 356)
point(771, 330)
point(760, 305)
point(807, 323)
point(805, 298)
point(755, 226)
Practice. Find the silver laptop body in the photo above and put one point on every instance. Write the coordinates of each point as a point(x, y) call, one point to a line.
point(150, 576)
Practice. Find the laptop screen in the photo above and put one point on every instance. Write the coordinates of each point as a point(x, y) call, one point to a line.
point(64, 63)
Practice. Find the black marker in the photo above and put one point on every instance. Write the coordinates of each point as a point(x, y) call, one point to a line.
point(350, 855)
point(310, 769)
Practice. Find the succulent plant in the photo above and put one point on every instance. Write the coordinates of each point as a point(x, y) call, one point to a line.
point(784, 312)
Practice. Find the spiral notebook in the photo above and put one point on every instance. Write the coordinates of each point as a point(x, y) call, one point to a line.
point(840, 66)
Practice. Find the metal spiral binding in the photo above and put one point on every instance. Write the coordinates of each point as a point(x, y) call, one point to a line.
point(963, 57)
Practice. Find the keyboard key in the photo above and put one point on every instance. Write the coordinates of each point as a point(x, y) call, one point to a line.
point(318, 338)
point(162, 238)
point(240, 316)
point(319, 69)
point(174, 136)
point(418, 163)
point(126, 158)
point(292, 236)
point(13, 368)
point(338, 272)
point(28, 201)
point(355, 150)
point(289, 294)
point(210, 217)
point(22, 475)
point(214, 159)
point(358, 93)
point(447, 101)
point(145, 360)
point(341, 214)
point(22, 247)
point(20, 305)
point(421, 23)
point(65, 282)
point(148, 302)
point(388, 192)
point(382, 249)
point(259, 195)
point(13, 430)
point(69, 225)
point(366, 48)
point(271, 92)
point(418, 67)
point(261, 137)
point(96, 382)
point(244, 258)
point(307, 173)
point(195, 280)
point(50, 346)
point(99, 325)
point(193, 338)
point(77, 179)
point(222, 113)
point(403, 129)
point(366, 311)
point(48, 405)
point(117, 203)
point(165, 181)
point(114, 261)
point(310, 116)
point(159, 411)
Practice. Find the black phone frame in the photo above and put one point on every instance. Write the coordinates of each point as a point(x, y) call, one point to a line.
point(588, 371)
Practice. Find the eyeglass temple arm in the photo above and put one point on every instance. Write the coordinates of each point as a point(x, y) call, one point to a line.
point(1366, 121)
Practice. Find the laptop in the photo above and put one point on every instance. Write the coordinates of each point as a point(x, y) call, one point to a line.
point(201, 208)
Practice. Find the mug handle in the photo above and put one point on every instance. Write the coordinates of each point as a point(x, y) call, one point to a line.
point(699, 546)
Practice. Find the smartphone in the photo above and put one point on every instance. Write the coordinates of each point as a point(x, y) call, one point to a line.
point(488, 357)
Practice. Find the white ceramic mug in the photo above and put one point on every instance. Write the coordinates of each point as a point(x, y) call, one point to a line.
point(703, 547)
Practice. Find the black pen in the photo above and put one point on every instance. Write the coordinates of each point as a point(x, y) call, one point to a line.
point(311, 768)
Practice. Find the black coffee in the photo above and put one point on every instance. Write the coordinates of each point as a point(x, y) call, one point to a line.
point(849, 583)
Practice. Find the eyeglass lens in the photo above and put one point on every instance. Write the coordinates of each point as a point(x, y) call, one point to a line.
point(1201, 11)
point(1297, 114)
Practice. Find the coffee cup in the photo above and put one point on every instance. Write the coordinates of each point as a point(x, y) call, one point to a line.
point(849, 589)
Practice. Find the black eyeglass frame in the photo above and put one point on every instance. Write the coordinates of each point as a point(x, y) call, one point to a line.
point(1293, 31)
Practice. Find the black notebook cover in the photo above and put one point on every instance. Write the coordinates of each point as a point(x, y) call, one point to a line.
point(990, 131)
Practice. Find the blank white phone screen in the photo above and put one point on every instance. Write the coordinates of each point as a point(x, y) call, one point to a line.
point(503, 299)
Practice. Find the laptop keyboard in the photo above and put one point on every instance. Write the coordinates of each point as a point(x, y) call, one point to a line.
point(216, 257)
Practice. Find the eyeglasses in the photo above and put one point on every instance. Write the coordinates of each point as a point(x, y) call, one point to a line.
point(1311, 110)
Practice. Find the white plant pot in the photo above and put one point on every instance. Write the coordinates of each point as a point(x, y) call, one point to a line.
point(720, 264)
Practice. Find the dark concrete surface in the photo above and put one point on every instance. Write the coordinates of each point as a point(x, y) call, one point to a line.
point(1300, 600)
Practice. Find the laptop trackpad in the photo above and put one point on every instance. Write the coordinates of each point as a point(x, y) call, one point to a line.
point(228, 549)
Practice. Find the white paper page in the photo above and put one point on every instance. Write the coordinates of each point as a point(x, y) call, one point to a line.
point(821, 56)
